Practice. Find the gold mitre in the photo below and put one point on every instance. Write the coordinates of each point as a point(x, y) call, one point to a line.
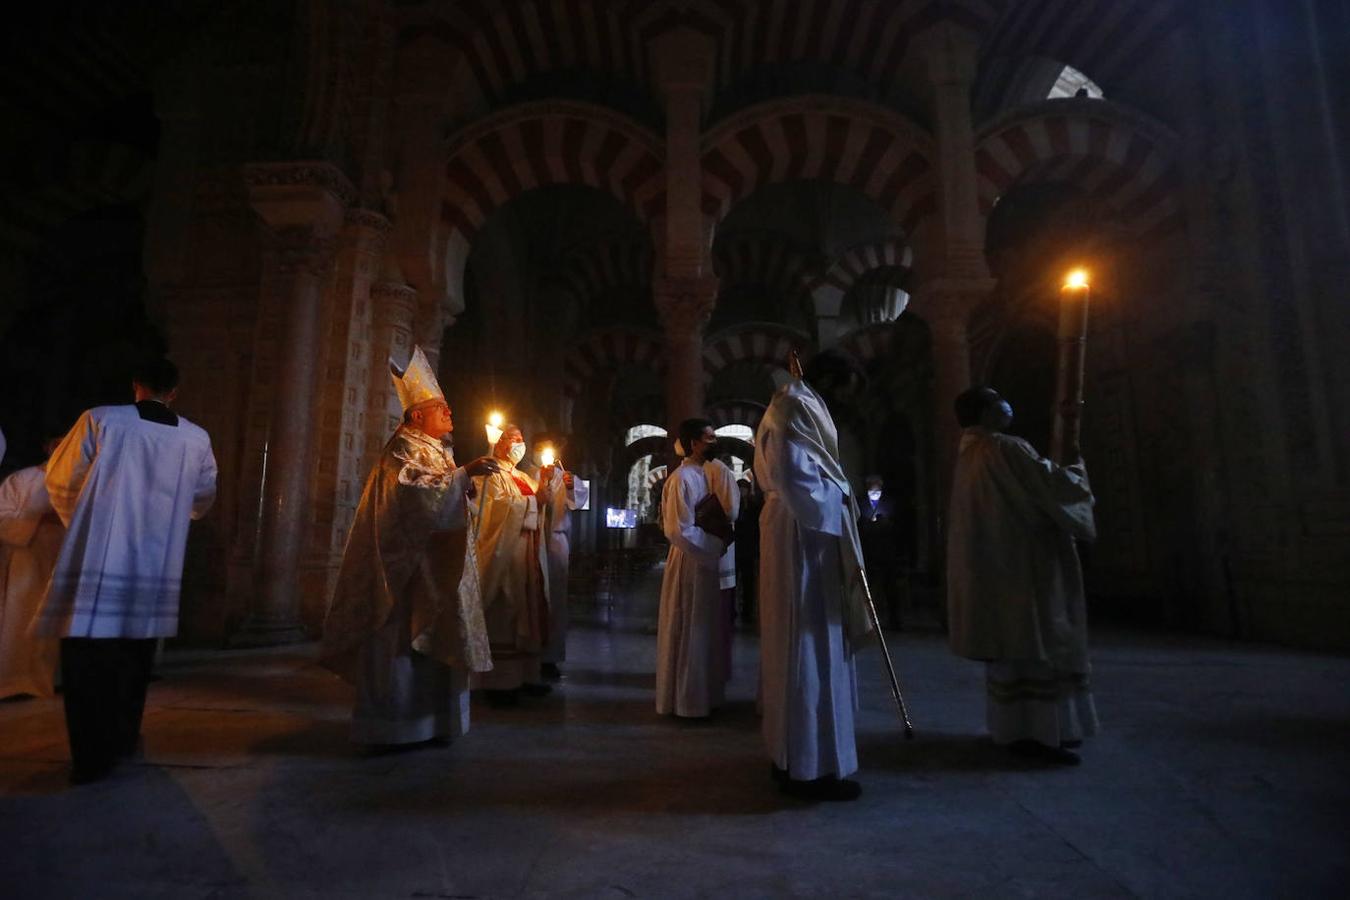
point(417, 383)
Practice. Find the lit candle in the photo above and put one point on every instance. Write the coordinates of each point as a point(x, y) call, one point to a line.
point(1072, 355)
point(493, 428)
point(546, 457)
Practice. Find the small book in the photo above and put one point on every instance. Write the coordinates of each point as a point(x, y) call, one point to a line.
point(712, 518)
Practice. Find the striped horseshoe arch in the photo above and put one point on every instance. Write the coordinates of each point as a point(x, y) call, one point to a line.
point(598, 270)
point(764, 259)
point(606, 350)
point(736, 412)
point(758, 342)
point(830, 288)
point(868, 147)
point(1116, 156)
point(869, 344)
point(547, 143)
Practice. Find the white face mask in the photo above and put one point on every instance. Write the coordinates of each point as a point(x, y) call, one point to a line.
point(516, 453)
point(874, 495)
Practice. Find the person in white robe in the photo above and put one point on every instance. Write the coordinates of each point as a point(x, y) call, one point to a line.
point(812, 606)
point(565, 493)
point(125, 481)
point(513, 569)
point(30, 539)
point(691, 623)
point(1014, 584)
point(405, 623)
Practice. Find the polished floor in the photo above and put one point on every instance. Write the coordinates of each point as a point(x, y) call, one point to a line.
point(1223, 771)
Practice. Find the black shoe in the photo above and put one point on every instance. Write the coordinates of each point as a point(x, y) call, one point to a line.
point(550, 672)
point(536, 690)
point(828, 789)
point(1042, 753)
point(502, 699)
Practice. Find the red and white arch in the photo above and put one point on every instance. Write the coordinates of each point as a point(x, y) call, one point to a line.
point(1113, 154)
point(766, 260)
point(736, 412)
point(871, 148)
point(756, 342)
point(608, 350)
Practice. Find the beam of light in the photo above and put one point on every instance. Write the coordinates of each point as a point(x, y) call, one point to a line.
point(1076, 280)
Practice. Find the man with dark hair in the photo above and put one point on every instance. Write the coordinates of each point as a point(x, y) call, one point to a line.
point(1014, 585)
point(812, 611)
point(691, 627)
point(125, 481)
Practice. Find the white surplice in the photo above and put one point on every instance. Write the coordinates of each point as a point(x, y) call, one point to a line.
point(126, 489)
point(560, 500)
point(689, 637)
point(1015, 588)
point(30, 539)
point(811, 613)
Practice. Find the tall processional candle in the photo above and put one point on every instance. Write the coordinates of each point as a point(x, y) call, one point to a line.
point(493, 429)
point(1072, 344)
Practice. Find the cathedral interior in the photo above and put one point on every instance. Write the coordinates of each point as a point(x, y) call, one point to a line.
point(602, 217)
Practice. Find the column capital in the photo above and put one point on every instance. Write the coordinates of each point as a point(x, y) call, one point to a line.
point(393, 304)
point(310, 194)
point(685, 305)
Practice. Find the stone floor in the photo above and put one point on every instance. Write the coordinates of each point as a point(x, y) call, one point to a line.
point(1222, 771)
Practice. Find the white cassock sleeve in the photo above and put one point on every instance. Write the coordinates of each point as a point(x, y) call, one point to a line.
point(1061, 492)
point(205, 493)
point(69, 466)
point(815, 501)
point(677, 515)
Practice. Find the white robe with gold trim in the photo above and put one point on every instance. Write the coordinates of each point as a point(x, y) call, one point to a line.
point(513, 569)
point(30, 539)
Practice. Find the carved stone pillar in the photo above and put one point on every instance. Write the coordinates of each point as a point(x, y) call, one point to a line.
point(684, 305)
point(393, 312)
point(303, 205)
point(952, 54)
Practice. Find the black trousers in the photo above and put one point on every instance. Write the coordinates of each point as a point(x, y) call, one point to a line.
point(103, 681)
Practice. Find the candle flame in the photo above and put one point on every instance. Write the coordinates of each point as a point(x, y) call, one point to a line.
point(495, 419)
point(547, 456)
point(1076, 280)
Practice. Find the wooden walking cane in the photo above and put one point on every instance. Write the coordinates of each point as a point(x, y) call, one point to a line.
point(886, 657)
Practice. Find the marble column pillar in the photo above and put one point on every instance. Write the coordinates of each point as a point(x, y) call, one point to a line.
point(393, 312)
point(303, 205)
point(685, 290)
point(684, 306)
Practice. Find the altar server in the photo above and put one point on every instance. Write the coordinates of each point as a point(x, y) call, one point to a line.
point(125, 481)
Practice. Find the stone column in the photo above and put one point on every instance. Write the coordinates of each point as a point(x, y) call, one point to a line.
point(393, 311)
point(684, 305)
point(951, 55)
point(686, 289)
point(302, 204)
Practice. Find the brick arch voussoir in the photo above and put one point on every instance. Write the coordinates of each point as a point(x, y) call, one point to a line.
point(1117, 155)
point(766, 343)
point(876, 150)
point(608, 350)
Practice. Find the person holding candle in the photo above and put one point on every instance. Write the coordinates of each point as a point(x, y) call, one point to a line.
point(1014, 584)
point(405, 624)
point(564, 493)
point(513, 570)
